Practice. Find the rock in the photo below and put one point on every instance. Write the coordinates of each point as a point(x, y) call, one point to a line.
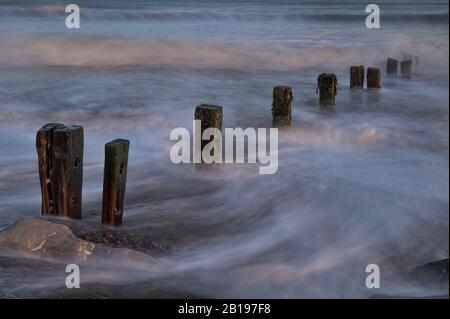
point(381, 296)
point(432, 276)
point(433, 271)
point(116, 238)
point(47, 239)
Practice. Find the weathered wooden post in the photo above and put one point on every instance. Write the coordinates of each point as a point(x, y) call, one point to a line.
point(114, 181)
point(357, 77)
point(406, 69)
point(210, 116)
point(44, 143)
point(326, 87)
point(281, 105)
point(68, 144)
point(373, 78)
point(60, 153)
point(392, 66)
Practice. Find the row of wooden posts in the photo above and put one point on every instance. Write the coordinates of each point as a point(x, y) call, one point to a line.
point(405, 68)
point(60, 148)
point(327, 87)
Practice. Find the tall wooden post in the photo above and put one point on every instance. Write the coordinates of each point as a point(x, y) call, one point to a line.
point(60, 153)
point(373, 78)
point(326, 87)
point(68, 170)
point(210, 116)
point(406, 69)
point(357, 77)
point(44, 146)
point(281, 105)
point(114, 181)
point(392, 66)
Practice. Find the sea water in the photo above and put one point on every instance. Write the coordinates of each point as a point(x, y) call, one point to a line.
point(364, 183)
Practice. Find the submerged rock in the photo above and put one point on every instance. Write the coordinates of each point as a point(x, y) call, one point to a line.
point(47, 239)
point(433, 275)
point(433, 271)
point(34, 253)
point(381, 296)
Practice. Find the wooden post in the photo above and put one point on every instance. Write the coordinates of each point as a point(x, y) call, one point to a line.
point(326, 86)
point(210, 117)
point(281, 105)
point(373, 78)
point(44, 143)
point(392, 66)
point(67, 155)
point(406, 69)
point(114, 181)
point(60, 154)
point(357, 77)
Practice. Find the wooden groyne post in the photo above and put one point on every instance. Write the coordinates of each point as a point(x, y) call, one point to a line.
point(281, 106)
point(373, 78)
point(406, 69)
point(326, 87)
point(392, 66)
point(44, 142)
point(357, 77)
point(114, 181)
point(210, 116)
point(60, 161)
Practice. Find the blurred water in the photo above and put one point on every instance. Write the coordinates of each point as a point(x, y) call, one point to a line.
point(365, 183)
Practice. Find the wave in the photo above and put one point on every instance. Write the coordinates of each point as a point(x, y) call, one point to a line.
point(91, 51)
point(93, 13)
point(432, 18)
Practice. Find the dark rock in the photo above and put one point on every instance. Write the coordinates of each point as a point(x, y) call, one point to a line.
point(433, 271)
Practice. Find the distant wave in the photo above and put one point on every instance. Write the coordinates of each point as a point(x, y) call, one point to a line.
point(106, 52)
point(92, 13)
point(386, 17)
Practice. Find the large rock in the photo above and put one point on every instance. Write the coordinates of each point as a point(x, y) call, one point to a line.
point(51, 240)
point(34, 253)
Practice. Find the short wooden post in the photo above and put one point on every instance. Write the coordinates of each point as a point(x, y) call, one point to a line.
point(210, 116)
point(357, 77)
point(60, 154)
point(406, 69)
point(281, 105)
point(373, 78)
point(44, 144)
point(326, 87)
point(392, 66)
point(114, 181)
